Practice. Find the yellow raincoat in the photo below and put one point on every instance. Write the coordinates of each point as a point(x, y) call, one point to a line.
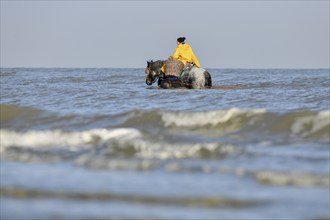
point(185, 54)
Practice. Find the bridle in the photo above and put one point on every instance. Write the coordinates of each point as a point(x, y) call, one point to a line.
point(151, 72)
point(157, 76)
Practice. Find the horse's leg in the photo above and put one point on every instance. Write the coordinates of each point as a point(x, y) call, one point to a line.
point(165, 84)
point(160, 79)
point(208, 79)
point(191, 82)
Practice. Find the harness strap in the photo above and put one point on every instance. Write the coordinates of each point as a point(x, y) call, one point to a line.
point(172, 78)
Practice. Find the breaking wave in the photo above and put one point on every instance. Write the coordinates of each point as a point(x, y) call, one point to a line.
point(306, 124)
point(33, 134)
point(303, 124)
point(85, 146)
point(147, 140)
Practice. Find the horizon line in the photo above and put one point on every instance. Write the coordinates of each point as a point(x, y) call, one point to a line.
point(36, 67)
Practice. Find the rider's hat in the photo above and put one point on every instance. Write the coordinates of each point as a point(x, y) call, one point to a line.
point(181, 39)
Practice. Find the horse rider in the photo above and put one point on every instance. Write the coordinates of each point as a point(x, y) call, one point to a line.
point(184, 53)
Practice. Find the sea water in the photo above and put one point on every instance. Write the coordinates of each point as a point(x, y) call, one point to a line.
point(101, 144)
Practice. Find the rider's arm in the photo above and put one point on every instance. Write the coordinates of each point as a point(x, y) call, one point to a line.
point(194, 58)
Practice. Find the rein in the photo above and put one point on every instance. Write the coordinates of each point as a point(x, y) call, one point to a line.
point(157, 76)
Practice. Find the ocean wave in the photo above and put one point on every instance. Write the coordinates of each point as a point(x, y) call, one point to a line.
point(312, 125)
point(213, 123)
point(9, 113)
point(272, 177)
point(58, 138)
point(292, 178)
point(304, 124)
point(132, 149)
point(141, 140)
point(210, 118)
point(267, 177)
point(103, 144)
point(144, 155)
point(57, 145)
point(202, 201)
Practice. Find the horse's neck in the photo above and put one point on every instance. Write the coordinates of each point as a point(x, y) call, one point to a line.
point(161, 63)
point(158, 66)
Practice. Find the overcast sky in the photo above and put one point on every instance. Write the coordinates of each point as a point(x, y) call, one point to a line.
point(223, 34)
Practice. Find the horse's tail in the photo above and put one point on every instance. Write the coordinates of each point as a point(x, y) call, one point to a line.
point(208, 79)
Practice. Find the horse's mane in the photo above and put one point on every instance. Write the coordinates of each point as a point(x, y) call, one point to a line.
point(155, 64)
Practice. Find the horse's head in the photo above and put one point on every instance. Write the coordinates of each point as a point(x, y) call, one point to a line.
point(153, 71)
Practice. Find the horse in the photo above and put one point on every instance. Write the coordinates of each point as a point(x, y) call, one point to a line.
point(194, 78)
